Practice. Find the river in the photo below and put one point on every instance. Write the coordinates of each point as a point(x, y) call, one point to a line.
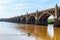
point(17, 31)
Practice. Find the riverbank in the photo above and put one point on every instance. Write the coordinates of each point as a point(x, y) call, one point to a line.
point(50, 21)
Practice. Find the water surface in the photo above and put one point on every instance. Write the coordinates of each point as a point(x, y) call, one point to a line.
point(17, 31)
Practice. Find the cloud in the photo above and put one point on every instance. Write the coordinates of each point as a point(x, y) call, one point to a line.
point(44, 1)
point(2, 11)
point(13, 7)
point(3, 7)
point(29, 4)
point(21, 6)
point(4, 1)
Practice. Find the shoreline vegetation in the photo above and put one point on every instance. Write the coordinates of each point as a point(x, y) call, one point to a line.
point(50, 21)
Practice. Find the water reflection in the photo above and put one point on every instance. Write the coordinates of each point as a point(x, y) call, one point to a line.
point(39, 32)
point(15, 31)
point(50, 30)
point(9, 31)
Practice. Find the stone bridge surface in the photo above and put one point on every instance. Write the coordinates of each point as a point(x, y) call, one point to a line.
point(40, 17)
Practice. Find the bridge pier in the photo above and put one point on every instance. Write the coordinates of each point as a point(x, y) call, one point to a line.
point(36, 21)
point(27, 21)
point(56, 23)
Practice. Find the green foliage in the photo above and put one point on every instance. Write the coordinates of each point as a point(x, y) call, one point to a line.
point(50, 21)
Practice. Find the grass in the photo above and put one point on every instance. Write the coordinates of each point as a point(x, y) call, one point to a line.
point(50, 21)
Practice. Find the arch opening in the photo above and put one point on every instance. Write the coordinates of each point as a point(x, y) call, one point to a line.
point(32, 20)
point(24, 20)
point(51, 20)
point(43, 19)
point(19, 20)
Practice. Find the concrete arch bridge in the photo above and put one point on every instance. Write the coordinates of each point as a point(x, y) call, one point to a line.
point(40, 17)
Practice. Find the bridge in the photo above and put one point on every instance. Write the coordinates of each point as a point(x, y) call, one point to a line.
point(40, 17)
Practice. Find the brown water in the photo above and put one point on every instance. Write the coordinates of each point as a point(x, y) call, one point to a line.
point(16, 31)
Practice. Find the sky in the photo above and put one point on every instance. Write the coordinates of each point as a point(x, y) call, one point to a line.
point(11, 8)
point(51, 17)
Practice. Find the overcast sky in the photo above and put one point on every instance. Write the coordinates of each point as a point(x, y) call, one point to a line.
point(11, 8)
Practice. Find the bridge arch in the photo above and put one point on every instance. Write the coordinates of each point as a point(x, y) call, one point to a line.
point(23, 19)
point(44, 17)
point(19, 19)
point(31, 16)
point(32, 19)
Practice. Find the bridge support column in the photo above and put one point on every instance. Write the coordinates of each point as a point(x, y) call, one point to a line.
point(56, 23)
point(21, 20)
point(17, 20)
point(36, 19)
point(27, 21)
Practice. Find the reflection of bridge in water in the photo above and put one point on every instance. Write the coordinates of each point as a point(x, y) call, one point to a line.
point(39, 17)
